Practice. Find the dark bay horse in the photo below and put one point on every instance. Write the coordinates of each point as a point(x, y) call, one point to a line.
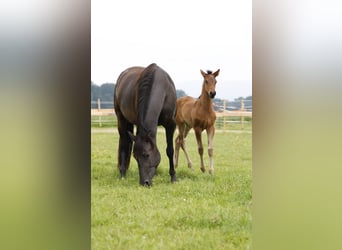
point(198, 114)
point(145, 97)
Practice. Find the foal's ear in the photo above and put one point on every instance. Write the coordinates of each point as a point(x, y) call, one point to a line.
point(216, 73)
point(203, 73)
point(131, 135)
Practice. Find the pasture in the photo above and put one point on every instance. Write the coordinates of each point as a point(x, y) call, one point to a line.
point(199, 211)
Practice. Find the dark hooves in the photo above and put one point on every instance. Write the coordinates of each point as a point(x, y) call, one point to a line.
point(174, 179)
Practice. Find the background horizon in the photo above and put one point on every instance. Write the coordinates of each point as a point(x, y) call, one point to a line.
point(180, 37)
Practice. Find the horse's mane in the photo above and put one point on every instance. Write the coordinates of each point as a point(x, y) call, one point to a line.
point(145, 83)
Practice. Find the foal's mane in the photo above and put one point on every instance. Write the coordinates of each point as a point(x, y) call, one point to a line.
point(145, 83)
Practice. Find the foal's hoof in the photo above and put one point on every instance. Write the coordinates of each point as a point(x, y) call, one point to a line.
point(190, 165)
point(211, 171)
point(203, 170)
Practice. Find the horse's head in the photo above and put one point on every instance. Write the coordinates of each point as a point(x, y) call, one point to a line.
point(209, 83)
point(147, 155)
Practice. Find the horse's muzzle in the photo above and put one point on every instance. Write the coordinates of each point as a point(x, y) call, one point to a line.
point(147, 183)
point(212, 94)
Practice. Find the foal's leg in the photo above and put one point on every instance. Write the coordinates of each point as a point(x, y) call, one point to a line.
point(170, 129)
point(210, 134)
point(183, 145)
point(177, 146)
point(198, 132)
point(180, 142)
point(125, 144)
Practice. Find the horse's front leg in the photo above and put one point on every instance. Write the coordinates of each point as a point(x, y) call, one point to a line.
point(210, 134)
point(170, 129)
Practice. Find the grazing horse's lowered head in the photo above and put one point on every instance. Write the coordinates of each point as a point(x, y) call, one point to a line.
point(147, 155)
point(209, 83)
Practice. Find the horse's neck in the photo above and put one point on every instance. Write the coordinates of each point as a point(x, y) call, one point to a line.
point(205, 101)
point(149, 119)
point(141, 129)
point(149, 122)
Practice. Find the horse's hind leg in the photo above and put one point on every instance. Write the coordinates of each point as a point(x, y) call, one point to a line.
point(179, 142)
point(125, 144)
point(210, 134)
point(198, 133)
point(183, 146)
point(176, 152)
point(170, 129)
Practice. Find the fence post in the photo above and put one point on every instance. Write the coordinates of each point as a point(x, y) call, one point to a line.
point(242, 108)
point(224, 116)
point(99, 109)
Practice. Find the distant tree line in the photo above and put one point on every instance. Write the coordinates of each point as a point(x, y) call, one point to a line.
point(106, 94)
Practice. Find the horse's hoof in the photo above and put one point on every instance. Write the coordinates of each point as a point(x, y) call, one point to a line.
point(203, 170)
point(173, 179)
point(123, 174)
point(190, 165)
point(211, 171)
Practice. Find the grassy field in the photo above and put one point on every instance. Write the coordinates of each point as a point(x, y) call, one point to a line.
point(198, 212)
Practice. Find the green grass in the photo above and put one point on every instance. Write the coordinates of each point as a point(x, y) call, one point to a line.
point(198, 212)
point(108, 121)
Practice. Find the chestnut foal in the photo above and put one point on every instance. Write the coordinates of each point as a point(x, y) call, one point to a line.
point(198, 114)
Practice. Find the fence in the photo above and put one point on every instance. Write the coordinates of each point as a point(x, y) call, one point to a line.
point(227, 113)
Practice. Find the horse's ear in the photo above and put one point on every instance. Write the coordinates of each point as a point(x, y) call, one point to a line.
point(203, 73)
point(216, 73)
point(131, 135)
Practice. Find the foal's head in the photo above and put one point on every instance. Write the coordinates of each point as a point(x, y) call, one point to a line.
point(209, 82)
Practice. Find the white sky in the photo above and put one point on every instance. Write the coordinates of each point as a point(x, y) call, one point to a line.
point(182, 37)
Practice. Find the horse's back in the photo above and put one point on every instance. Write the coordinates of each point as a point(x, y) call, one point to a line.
point(125, 94)
point(185, 101)
point(126, 80)
point(152, 83)
point(185, 105)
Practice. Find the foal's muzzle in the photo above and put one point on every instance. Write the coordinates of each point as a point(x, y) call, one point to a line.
point(212, 94)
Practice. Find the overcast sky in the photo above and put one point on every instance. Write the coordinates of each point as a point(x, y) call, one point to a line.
point(182, 37)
